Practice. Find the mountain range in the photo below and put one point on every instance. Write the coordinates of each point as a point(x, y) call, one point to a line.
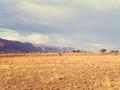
point(18, 46)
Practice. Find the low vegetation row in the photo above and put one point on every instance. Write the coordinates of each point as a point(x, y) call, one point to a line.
point(102, 51)
point(105, 51)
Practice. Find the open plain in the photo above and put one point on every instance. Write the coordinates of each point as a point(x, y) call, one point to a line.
point(55, 72)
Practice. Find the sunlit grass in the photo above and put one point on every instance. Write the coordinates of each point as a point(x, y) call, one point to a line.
point(54, 72)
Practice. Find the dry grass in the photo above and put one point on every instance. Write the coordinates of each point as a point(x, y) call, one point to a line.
point(54, 72)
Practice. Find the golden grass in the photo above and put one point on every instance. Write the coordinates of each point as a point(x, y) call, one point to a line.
point(54, 72)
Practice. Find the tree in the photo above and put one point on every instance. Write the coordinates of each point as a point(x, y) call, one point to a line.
point(103, 51)
point(74, 51)
point(78, 51)
point(115, 52)
point(112, 52)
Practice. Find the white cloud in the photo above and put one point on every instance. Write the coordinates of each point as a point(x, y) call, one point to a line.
point(93, 4)
point(37, 38)
point(103, 4)
point(45, 11)
point(9, 34)
point(59, 40)
point(13, 35)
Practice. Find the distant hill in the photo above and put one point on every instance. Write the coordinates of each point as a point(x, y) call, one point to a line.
point(49, 48)
point(17, 46)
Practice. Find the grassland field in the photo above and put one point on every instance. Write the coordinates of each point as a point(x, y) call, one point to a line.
point(55, 72)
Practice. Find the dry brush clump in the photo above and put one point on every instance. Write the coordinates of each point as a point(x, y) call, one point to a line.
point(33, 53)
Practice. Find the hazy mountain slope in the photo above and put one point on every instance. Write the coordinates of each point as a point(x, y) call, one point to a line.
point(17, 46)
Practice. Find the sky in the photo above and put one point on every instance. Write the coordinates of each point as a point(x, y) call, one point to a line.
point(82, 24)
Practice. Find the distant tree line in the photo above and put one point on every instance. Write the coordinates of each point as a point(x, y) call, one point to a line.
point(102, 51)
point(79, 51)
point(105, 51)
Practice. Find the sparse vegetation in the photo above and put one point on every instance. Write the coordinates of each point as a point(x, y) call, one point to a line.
point(115, 52)
point(103, 51)
point(55, 72)
point(79, 51)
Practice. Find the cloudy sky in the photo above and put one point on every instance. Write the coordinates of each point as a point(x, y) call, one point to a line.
point(83, 24)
